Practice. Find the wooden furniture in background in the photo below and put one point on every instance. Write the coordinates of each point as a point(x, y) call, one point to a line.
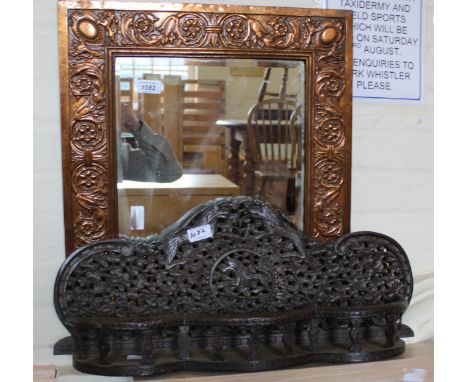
point(203, 104)
point(126, 92)
point(165, 203)
point(240, 169)
point(273, 140)
point(172, 117)
point(151, 107)
point(186, 113)
point(283, 87)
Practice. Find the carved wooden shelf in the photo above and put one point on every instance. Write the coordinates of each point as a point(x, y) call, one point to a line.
point(257, 295)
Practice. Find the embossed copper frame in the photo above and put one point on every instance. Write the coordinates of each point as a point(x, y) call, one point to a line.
point(93, 33)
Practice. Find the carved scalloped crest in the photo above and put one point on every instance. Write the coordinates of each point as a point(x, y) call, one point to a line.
point(257, 260)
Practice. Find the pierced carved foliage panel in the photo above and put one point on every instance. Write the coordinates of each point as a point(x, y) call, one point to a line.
point(88, 158)
point(257, 261)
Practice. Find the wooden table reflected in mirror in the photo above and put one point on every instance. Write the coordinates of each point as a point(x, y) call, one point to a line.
point(165, 203)
point(240, 170)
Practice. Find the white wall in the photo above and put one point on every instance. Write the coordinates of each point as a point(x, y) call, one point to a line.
point(48, 242)
point(392, 184)
point(392, 181)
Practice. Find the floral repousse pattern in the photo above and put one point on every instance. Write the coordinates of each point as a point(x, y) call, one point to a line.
point(330, 131)
point(144, 24)
point(236, 28)
point(191, 28)
point(90, 32)
point(86, 133)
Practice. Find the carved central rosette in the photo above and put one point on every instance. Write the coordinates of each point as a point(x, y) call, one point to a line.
point(242, 280)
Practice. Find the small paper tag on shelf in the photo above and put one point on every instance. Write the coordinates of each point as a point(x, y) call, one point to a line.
point(149, 86)
point(199, 233)
point(134, 356)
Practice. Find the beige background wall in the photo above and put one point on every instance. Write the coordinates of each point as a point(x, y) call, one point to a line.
point(392, 184)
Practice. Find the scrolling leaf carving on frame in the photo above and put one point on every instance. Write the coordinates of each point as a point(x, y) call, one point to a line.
point(90, 32)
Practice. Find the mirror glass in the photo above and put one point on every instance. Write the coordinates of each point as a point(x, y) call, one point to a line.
point(190, 130)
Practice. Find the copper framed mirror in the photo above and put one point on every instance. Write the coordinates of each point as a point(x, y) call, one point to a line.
point(212, 101)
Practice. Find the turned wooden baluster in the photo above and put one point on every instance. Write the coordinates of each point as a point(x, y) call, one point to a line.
point(313, 332)
point(147, 347)
point(263, 87)
point(183, 343)
point(81, 349)
point(355, 334)
point(392, 331)
point(284, 84)
point(288, 338)
point(104, 347)
point(234, 158)
point(217, 344)
point(254, 343)
point(249, 174)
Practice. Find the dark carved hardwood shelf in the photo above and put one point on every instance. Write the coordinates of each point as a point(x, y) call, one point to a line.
point(258, 295)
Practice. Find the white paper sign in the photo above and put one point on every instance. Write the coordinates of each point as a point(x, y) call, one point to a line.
point(137, 217)
point(387, 56)
point(149, 86)
point(199, 233)
point(134, 356)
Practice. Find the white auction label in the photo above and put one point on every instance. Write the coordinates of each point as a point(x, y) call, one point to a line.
point(137, 218)
point(149, 86)
point(199, 233)
point(387, 48)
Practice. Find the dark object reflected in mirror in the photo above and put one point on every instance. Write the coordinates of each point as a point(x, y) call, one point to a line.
point(207, 128)
point(150, 158)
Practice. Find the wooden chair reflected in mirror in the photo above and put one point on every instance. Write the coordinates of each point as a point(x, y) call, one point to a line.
point(273, 131)
point(284, 83)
